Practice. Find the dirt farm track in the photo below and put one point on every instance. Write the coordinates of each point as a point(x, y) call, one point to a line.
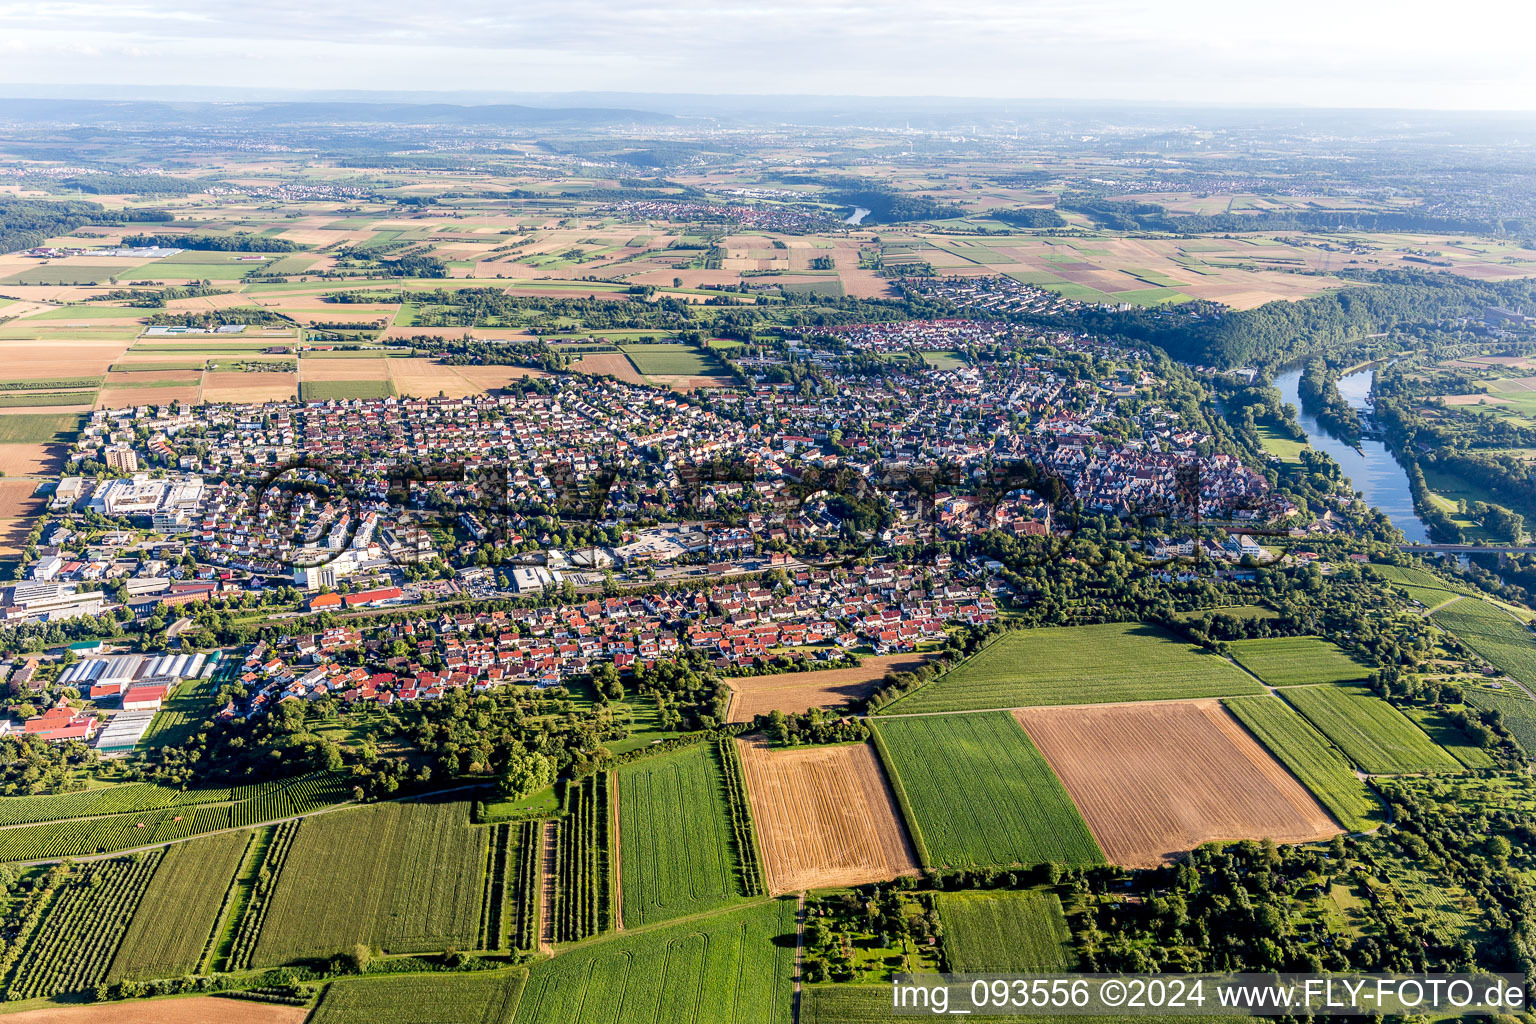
point(825, 816)
point(1155, 780)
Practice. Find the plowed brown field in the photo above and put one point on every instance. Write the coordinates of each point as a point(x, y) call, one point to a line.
point(825, 816)
point(193, 1010)
point(793, 692)
point(29, 459)
point(122, 398)
point(614, 364)
point(17, 499)
point(240, 386)
point(1155, 780)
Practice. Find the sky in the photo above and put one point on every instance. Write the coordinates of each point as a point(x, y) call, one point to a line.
point(1473, 54)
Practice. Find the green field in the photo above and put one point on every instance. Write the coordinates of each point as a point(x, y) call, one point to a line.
point(70, 314)
point(975, 791)
point(44, 399)
point(1294, 660)
point(324, 390)
point(134, 796)
point(830, 287)
point(1441, 728)
point(1375, 735)
point(183, 364)
point(81, 273)
point(39, 428)
point(1311, 758)
point(179, 268)
point(978, 254)
point(180, 715)
point(871, 1004)
point(1005, 931)
point(1497, 637)
point(290, 264)
point(845, 1004)
point(1518, 709)
point(675, 837)
point(63, 384)
point(1077, 292)
point(422, 999)
point(719, 969)
point(413, 880)
point(180, 908)
point(1079, 665)
point(944, 360)
point(683, 360)
point(1246, 612)
point(1278, 443)
point(581, 906)
point(1150, 296)
point(1156, 278)
point(81, 928)
point(1420, 584)
point(124, 817)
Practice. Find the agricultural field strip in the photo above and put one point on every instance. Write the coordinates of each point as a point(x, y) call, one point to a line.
point(1155, 780)
point(1311, 758)
point(583, 869)
point(153, 798)
point(170, 930)
point(1298, 660)
point(712, 946)
point(1517, 707)
point(980, 793)
point(675, 833)
point(825, 815)
point(1495, 635)
point(1378, 738)
point(82, 928)
point(1061, 665)
point(416, 883)
point(502, 996)
point(1005, 930)
point(57, 839)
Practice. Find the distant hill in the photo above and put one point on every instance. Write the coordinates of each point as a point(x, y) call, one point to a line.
point(275, 114)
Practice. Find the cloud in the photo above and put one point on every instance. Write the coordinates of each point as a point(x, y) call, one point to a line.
point(1312, 51)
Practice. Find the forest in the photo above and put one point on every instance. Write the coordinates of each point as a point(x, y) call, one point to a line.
point(25, 223)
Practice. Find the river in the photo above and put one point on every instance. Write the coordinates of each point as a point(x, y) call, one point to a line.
point(1372, 470)
point(859, 213)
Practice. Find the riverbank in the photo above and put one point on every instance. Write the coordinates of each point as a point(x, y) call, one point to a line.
point(1372, 468)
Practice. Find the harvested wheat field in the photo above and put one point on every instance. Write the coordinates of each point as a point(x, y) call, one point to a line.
point(683, 382)
point(794, 692)
point(191, 1010)
point(490, 378)
point(13, 536)
point(825, 816)
point(55, 360)
point(1156, 780)
point(613, 364)
point(425, 378)
point(24, 459)
point(17, 499)
point(343, 368)
point(122, 398)
point(123, 378)
point(242, 386)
